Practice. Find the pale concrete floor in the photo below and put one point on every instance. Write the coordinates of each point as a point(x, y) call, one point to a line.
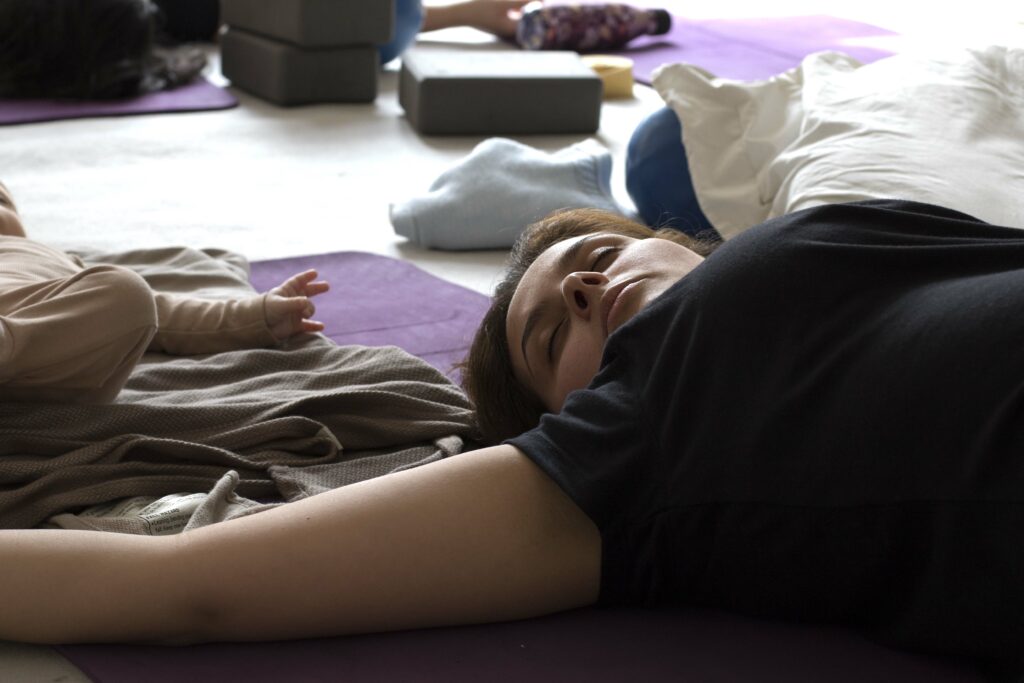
point(265, 181)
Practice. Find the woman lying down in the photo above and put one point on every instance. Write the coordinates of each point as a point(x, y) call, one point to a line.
point(822, 420)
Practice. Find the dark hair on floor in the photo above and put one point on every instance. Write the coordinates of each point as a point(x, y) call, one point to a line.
point(504, 407)
point(87, 49)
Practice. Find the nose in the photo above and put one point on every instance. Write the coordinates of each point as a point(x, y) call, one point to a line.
point(582, 292)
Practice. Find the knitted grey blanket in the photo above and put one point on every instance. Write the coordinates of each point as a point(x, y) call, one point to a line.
point(182, 425)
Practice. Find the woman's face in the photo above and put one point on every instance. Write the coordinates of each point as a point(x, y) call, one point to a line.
point(577, 293)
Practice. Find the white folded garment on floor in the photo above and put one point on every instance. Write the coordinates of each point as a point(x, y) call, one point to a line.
point(487, 200)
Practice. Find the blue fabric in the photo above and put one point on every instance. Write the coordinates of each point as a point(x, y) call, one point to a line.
point(408, 20)
point(658, 177)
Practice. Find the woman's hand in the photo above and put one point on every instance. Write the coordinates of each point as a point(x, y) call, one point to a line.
point(288, 307)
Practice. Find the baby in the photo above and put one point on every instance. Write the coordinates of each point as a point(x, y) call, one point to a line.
point(71, 333)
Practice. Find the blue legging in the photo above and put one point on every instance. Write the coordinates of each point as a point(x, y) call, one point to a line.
point(658, 177)
point(408, 19)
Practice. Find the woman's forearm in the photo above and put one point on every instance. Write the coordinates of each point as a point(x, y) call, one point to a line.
point(492, 16)
point(483, 536)
point(80, 586)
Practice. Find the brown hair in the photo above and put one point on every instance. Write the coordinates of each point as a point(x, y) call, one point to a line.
point(504, 406)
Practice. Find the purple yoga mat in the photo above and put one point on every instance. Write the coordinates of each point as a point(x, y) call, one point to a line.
point(376, 301)
point(591, 645)
point(200, 95)
point(381, 300)
point(749, 49)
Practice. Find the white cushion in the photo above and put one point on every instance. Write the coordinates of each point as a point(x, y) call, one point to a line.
point(944, 129)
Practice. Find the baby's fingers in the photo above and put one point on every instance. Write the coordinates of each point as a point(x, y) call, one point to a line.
point(318, 287)
point(307, 284)
point(297, 283)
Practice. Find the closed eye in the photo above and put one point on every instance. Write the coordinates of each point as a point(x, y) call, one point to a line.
point(551, 340)
point(601, 257)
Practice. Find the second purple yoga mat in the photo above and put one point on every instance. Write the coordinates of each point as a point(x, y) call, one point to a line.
point(200, 95)
point(749, 49)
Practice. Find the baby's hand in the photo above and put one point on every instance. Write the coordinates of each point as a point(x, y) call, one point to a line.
point(288, 307)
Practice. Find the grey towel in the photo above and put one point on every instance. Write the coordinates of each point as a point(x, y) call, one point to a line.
point(181, 424)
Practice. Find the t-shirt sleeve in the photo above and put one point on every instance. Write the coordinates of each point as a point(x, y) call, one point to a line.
point(593, 448)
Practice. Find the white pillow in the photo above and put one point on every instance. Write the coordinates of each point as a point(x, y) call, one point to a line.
point(947, 130)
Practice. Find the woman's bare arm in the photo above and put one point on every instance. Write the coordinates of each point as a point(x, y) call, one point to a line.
point(483, 536)
point(498, 17)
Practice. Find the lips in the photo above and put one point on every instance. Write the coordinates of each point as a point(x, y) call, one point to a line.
point(611, 297)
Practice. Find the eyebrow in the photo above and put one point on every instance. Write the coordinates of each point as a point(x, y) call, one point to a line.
point(564, 262)
point(567, 258)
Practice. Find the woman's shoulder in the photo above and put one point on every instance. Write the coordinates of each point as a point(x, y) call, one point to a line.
point(873, 221)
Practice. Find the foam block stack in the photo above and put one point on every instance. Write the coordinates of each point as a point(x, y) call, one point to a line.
point(294, 52)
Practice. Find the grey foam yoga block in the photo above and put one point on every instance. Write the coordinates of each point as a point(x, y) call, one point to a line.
point(286, 74)
point(454, 92)
point(314, 23)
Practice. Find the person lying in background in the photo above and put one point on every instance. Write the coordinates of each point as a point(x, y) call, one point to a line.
point(109, 49)
point(184, 21)
point(71, 333)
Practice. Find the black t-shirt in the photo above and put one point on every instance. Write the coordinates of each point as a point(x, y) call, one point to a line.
point(824, 421)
